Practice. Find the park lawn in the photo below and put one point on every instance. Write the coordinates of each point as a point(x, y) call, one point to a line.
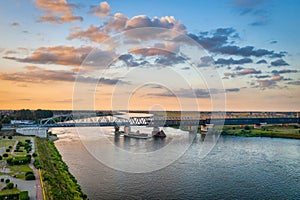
point(11, 191)
point(7, 142)
point(16, 169)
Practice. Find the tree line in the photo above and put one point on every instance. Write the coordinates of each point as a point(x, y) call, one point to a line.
point(26, 114)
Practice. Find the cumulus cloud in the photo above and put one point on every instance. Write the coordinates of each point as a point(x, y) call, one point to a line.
point(62, 55)
point(279, 62)
point(220, 42)
point(284, 71)
point(121, 23)
point(102, 10)
point(56, 11)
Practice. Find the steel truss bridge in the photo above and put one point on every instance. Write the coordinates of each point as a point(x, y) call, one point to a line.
point(81, 120)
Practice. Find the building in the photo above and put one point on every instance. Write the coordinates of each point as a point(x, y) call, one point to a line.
point(33, 131)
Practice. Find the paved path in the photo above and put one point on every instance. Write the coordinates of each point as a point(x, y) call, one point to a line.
point(14, 148)
point(39, 190)
point(23, 185)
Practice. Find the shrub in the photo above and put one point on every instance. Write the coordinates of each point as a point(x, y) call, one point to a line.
point(34, 154)
point(1, 158)
point(5, 155)
point(2, 180)
point(3, 137)
point(247, 127)
point(10, 147)
point(28, 156)
point(10, 137)
point(27, 173)
point(28, 141)
point(7, 181)
point(10, 185)
point(30, 177)
point(7, 150)
point(23, 195)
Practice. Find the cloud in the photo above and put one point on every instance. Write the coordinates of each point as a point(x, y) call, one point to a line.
point(262, 61)
point(130, 61)
point(196, 93)
point(14, 24)
point(220, 41)
point(10, 52)
point(270, 83)
point(56, 11)
point(93, 33)
point(231, 61)
point(121, 23)
point(150, 52)
point(279, 62)
point(102, 10)
point(284, 71)
point(248, 71)
point(168, 22)
point(39, 75)
point(294, 83)
point(62, 55)
point(263, 76)
point(277, 78)
point(170, 60)
point(266, 83)
point(255, 8)
point(117, 23)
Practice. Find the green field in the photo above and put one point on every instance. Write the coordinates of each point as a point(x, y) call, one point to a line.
point(278, 131)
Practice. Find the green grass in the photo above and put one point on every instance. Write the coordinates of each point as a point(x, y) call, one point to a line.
point(59, 183)
point(268, 131)
point(11, 191)
point(20, 168)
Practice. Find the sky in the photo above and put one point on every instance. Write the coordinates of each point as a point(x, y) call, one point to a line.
point(233, 55)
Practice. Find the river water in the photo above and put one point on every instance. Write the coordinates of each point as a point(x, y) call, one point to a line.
point(236, 168)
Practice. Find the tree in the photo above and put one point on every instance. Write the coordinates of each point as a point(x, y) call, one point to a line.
point(6, 120)
point(0, 126)
point(10, 185)
point(24, 114)
point(40, 114)
point(30, 177)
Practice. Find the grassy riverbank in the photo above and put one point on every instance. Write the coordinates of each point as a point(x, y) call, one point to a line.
point(274, 131)
point(59, 183)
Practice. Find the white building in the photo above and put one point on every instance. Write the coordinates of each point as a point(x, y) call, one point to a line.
point(35, 131)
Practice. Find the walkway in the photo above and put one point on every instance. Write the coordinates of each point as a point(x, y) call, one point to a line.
point(39, 190)
point(14, 148)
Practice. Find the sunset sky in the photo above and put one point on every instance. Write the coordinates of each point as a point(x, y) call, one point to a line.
point(252, 44)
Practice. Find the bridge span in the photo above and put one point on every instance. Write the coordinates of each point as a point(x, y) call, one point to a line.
point(110, 120)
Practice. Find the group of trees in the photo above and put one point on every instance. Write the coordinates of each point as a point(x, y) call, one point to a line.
point(26, 114)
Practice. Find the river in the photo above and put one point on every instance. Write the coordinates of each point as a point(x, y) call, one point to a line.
point(236, 168)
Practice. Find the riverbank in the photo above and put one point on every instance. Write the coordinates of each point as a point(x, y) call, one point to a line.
point(58, 182)
point(273, 131)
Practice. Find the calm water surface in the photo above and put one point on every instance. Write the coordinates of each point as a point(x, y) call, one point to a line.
point(236, 168)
